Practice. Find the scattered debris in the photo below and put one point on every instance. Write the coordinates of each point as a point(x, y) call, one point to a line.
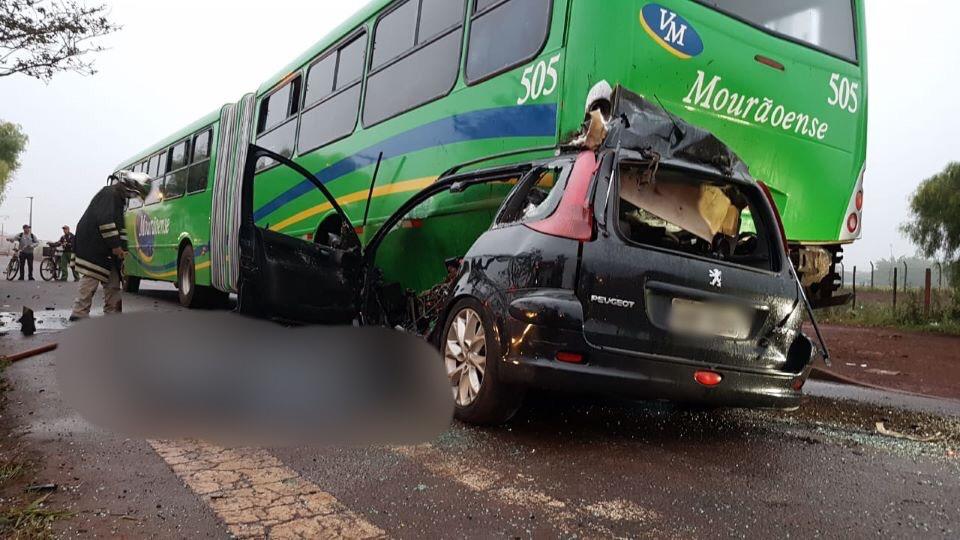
point(28, 324)
point(41, 488)
point(31, 353)
point(595, 133)
point(882, 429)
point(886, 372)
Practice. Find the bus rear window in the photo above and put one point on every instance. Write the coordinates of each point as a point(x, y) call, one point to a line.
point(826, 24)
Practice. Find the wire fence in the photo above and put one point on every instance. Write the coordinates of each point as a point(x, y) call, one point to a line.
point(921, 285)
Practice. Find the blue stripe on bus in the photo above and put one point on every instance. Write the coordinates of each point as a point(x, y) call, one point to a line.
point(520, 121)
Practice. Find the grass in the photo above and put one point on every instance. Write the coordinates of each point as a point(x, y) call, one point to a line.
point(909, 314)
point(30, 521)
point(21, 518)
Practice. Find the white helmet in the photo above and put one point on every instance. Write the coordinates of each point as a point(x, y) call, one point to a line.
point(133, 184)
point(600, 98)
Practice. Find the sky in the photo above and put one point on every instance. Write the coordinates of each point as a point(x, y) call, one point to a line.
point(157, 77)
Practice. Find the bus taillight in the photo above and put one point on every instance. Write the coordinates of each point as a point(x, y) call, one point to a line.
point(853, 223)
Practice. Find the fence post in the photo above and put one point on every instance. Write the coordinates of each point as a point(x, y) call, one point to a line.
point(872, 268)
point(906, 284)
point(843, 276)
point(854, 287)
point(895, 288)
point(926, 293)
point(939, 275)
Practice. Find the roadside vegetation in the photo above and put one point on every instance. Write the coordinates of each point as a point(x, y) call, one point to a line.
point(934, 227)
point(875, 308)
point(23, 515)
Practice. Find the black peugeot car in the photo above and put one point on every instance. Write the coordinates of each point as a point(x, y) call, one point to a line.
point(653, 266)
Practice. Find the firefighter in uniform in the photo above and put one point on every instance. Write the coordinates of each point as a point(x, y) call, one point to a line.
point(101, 243)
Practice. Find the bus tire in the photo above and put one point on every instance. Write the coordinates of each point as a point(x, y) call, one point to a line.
point(131, 284)
point(187, 279)
point(193, 296)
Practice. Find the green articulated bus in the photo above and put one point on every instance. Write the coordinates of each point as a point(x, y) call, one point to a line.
point(411, 88)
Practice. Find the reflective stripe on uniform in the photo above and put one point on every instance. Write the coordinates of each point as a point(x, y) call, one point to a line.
point(93, 270)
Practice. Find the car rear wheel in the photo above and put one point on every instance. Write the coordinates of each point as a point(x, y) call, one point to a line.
point(471, 354)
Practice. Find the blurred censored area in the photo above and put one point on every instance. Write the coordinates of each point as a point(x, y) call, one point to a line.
point(235, 381)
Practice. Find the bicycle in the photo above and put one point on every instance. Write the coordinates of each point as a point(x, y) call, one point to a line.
point(13, 267)
point(50, 264)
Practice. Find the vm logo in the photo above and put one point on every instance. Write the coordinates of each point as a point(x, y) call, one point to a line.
point(671, 31)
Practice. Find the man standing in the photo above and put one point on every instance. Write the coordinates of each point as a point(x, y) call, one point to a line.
point(101, 242)
point(66, 243)
point(28, 242)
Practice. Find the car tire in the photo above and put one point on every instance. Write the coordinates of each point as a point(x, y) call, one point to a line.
point(472, 354)
point(247, 302)
point(131, 284)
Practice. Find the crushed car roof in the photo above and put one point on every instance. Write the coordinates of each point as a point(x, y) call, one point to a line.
point(637, 124)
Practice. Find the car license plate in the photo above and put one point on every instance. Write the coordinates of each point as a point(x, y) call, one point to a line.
point(702, 319)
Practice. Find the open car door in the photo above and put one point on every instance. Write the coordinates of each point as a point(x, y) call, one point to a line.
point(291, 278)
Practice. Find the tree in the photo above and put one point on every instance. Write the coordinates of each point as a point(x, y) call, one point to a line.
point(40, 38)
point(934, 225)
point(12, 143)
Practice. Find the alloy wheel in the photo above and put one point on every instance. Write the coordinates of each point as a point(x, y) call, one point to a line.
point(465, 356)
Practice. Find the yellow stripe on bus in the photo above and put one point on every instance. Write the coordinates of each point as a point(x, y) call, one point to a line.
point(173, 273)
point(392, 189)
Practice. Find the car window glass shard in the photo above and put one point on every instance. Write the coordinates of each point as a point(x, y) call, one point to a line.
point(537, 196)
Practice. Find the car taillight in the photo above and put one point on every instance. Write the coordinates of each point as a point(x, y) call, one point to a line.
point(569, 357)
point(573, 218)
point(708, 378)
point(776, 213)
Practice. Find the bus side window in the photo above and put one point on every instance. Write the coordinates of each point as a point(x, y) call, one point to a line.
point(199, 163)
point(333, 96)
point(415, 59)
point(176, 182)
point(505, 34)
point(277, 124)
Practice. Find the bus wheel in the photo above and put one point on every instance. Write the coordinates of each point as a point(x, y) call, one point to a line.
point(191, 295)
point(131, 284)
point(187, 279)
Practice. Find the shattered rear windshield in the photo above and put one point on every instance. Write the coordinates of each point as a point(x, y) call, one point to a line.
point(671, 210)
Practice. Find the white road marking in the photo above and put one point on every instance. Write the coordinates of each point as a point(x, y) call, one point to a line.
point(505, 490)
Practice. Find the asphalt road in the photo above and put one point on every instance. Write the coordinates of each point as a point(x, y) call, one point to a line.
point(566, 467)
